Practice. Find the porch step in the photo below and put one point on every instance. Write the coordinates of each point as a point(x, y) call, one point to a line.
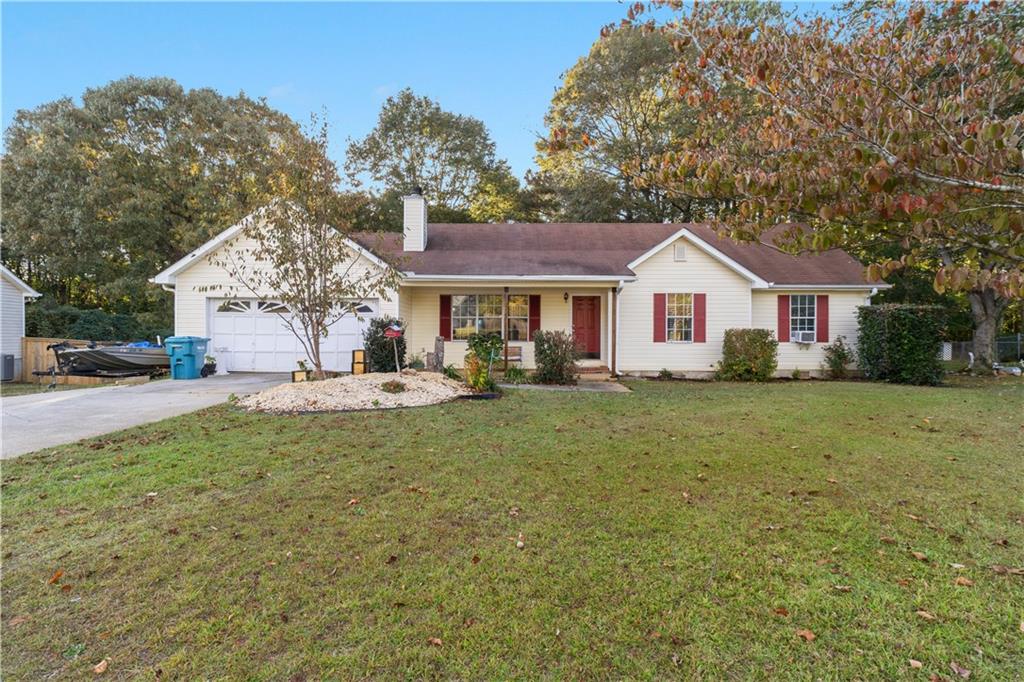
point(595, 373)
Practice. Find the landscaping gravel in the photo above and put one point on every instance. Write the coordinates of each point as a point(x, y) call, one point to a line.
point(356, 392)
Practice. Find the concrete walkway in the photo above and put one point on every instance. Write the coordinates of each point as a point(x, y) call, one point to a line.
point(42, 420)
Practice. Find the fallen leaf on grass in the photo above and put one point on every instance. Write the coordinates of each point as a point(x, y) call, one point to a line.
point(56, 576)
point(888, 540)
point(434, 641)
point(391, 559)
point(920, 556)
point(1007, 570)
point(353, 501)
point(916, 664)
point(807, 635)
point(959, 670)
point(963, 582)
point(913, 517)
point(832, 480)
point(101, 667)
point(782, 611)
point(18, 620)
point(475, 559)
point(1002, 542)
point(925, 615)
point(65, 587)
point(841, 588)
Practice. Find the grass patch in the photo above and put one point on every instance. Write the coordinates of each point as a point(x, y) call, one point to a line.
point(10, 389)
point(684, 530)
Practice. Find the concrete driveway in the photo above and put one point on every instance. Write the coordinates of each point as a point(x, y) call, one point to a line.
point(42, 420)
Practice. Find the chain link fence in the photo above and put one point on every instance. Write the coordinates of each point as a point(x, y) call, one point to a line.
point(1008, 349)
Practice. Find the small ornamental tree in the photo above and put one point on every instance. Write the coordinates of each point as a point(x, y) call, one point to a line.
point(296, 249)
point(894, 125)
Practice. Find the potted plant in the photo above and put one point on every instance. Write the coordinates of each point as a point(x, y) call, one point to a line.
point(209, 366)
point(303, 373)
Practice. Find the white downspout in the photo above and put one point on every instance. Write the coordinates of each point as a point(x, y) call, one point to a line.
point(618, 325)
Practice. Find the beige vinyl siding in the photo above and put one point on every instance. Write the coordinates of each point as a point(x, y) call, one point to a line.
point(422, 311)
point(842, 321)
point(728, 306)
point(12, 321)
point(190, 299)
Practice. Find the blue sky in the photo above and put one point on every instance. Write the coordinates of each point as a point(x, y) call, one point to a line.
point(497, 62)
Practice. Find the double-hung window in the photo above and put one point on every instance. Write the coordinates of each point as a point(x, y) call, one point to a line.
point(679, 317)
point(802, 315)
point(475, 314)
point(519, 317)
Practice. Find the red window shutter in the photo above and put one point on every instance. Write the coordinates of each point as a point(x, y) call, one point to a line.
point(783, 331)
point(445, 330)
point(534, 314)
point(659, 318)
point(700, 318)
point(821, 324)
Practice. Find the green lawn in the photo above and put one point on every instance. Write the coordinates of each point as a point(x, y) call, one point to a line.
point(686, 530)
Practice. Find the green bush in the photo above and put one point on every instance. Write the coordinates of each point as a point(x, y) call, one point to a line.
point(555, 354)
point(838, 355)
point(392, 387)
point(748, 355)
point(380, 350)
point(516, 375)
point(65, 321)
point(900, 343)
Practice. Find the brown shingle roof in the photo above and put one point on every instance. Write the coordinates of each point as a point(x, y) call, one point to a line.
point(591, 249)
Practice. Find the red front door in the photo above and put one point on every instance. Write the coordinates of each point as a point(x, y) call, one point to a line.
point(586, 325)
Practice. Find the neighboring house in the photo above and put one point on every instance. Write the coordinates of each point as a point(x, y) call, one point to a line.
point(639, 297)
point(13, 294)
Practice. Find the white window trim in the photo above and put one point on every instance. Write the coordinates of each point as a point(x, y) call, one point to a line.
point(692, 317)
point(814, 316)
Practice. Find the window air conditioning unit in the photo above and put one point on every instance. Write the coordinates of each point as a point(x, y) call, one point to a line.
point(803, 337)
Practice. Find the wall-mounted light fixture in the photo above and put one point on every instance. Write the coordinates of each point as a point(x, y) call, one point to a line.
point(565, 297)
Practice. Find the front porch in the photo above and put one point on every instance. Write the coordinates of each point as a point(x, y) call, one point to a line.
point(515, 309)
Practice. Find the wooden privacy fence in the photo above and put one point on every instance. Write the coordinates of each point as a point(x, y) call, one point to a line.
point(35, 357)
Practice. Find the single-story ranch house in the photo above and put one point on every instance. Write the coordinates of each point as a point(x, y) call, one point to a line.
point(638, 297)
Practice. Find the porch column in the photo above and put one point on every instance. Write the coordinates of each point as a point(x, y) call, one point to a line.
point(612, 322)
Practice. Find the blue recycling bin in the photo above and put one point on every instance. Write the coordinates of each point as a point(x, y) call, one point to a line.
point(188, 355)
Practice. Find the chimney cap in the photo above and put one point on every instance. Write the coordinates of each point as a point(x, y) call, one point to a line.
point(417, 190)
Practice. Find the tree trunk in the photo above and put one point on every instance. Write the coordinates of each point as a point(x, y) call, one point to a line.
point(314, 350)
point(986, 310)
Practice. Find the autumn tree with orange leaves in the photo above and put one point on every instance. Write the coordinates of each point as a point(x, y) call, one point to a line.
point(896, 125)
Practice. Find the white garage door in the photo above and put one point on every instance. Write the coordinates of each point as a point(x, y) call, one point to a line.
point(248, 335)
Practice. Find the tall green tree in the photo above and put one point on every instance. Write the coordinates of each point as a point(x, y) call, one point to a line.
point(100, 196)
point(450, 156)
point(613, 114)
point(896, 126)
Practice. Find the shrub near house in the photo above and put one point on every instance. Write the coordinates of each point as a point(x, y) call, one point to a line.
point(748, 355)
point(900, 343)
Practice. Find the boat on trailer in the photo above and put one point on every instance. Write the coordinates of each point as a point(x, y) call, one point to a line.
point(126, 359)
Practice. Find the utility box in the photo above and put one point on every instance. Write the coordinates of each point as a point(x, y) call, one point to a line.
point(7, 367)
point(188, 355)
